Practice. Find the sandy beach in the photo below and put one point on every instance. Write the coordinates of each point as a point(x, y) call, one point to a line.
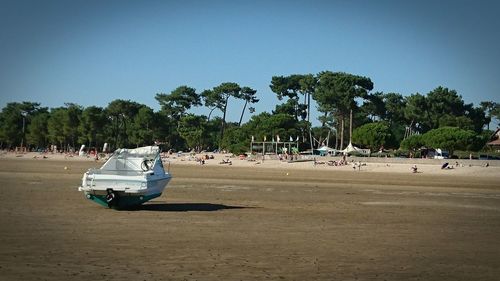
point(248, 221)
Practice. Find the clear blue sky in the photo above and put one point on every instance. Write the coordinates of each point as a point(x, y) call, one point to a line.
point(92, 52)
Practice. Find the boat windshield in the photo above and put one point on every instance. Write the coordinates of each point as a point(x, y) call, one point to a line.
point(141, 152)
point(131, 159)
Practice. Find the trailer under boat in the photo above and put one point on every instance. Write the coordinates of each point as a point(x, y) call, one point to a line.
point(129, 178)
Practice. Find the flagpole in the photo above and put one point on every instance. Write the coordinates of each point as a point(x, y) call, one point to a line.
point(277, 141)
point(263, 149)
point(350, 129)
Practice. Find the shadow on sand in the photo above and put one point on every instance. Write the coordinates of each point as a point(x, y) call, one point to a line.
point(184, 207)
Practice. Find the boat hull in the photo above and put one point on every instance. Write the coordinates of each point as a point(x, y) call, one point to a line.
point(123, 202)
point(129, 197)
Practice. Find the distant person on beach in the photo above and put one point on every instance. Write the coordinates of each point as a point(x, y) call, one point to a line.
point(446, 166)
point(414, 168)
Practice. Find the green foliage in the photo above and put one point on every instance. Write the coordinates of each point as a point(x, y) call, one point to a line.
point(449, 138)
point(395, 107)
point(55, 126)
point(443, 101)
point(11, 126)
point(397, 135)
point(248, 95)
point(374, 106)
point(37, 130)
point(92, 125)
point(443, 108)
point(290, 87)
point(287, 107)
point(461, 122)
point(495, 112)
point(416, 112)
point(413, 143)
point(269, 125)
point(236, 140)
point(372, 135)
point(401, 153)
point(336, 94)
point(193, 129)
point(126, 123)
point(218, 98)
point(141, 130)
point(166, 131)
point(12, 116)
point(479, 141)
point(179, 101)
point(71, 120)
point(213, 136)
point(285, 86)
point(120, 114)
point(337, 91)
point(477, 116)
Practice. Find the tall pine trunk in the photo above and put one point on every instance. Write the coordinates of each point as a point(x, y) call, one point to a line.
point(242, 112)
point(342, 132)
point(308, 105)
point(223, 125)
point(210, 114)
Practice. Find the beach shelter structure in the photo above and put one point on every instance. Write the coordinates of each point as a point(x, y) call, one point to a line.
point(325, 150)
point(495, 140)
point(274, 146)
point(351, 148)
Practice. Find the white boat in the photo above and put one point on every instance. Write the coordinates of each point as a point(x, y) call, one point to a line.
point(129, 177)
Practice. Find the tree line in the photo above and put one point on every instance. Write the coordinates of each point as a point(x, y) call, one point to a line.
point(388, 120)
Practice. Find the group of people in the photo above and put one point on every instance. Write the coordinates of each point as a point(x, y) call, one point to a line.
point(226, 161)
point(287, 156)
point(202, 158)
point(341, 162)
point(357, 165)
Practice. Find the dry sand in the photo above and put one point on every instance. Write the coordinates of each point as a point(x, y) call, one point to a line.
point(243, 222)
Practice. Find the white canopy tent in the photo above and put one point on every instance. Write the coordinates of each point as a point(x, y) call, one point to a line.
point(352, 148)
point(328, 150)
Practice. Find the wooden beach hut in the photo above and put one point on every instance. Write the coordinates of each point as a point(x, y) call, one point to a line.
point(494, 142)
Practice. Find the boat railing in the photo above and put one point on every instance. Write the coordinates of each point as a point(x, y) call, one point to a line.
point(115, 172)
